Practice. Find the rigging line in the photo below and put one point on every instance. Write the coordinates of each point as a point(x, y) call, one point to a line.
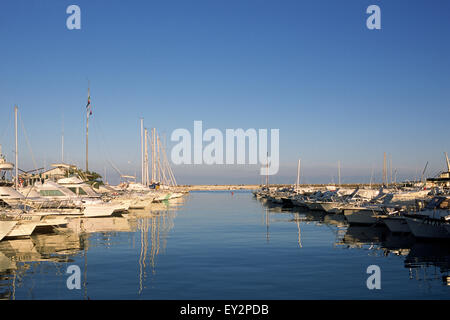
point(165, 162)
point(28, 143)
point(96, 139)
point(162, 174)
point(169, 168)
point(99, 133)
point(107, 149)
point(114, 167)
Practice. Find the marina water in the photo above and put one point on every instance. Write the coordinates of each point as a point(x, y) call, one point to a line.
point(224, 245)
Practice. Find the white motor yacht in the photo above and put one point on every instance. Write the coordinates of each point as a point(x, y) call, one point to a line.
point(52, 195)
point(431, 222)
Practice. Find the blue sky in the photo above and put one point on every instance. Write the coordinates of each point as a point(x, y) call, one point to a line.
point(336, 90)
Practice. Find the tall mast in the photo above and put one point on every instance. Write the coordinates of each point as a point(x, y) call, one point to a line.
point(384, 169)
point(153, 156)
point(390, 167)
point(62, 141)
point(267, 171)
point(298, 173)
point(339, 173)
point(157, 154)
point(371, 178)
point(154, 147)
point(146, 157)
point(142, 150)
point(154, 179)
point(87, 128)
point(17, 151)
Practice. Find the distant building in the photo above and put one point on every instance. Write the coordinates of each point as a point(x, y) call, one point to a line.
point(59, 171)
point(442, 180)
point(444, 177)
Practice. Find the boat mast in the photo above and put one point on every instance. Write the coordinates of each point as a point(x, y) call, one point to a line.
point(339, 173)
point(87, 130)
point(142, 150)
point(159, 163)
point(146, 157)
point(390, 167)
point(298, 173)
point(153, 155)
point(16, 179)
point(62, 141)
point(154, 178)
point(371, 178)
point(267, 172)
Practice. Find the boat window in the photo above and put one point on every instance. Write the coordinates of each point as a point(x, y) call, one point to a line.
point(78, 191)
point(51, 193)
point(73, 189)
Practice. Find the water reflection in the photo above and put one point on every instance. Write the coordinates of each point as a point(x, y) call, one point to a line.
point(428, 261)
point(424, 260)
point(21, 259)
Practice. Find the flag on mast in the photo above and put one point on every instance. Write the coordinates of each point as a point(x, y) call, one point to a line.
point(88, 106)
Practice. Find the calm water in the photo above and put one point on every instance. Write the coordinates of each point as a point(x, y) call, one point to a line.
point(219, 245)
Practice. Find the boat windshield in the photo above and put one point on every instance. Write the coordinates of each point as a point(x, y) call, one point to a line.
point(78, 191)
point(51, 193)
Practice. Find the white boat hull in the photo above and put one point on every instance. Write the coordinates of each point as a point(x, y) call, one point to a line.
point(362, 216)
point(313, 206)
point(98, 210)
point(397, 224)
point(330, 207)
point(428, 229)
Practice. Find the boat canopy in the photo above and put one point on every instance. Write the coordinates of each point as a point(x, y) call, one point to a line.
point(6, 166)
point(63, 165)
point(70, 180)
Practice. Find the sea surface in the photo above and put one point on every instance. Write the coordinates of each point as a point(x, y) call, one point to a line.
point(222, 245)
